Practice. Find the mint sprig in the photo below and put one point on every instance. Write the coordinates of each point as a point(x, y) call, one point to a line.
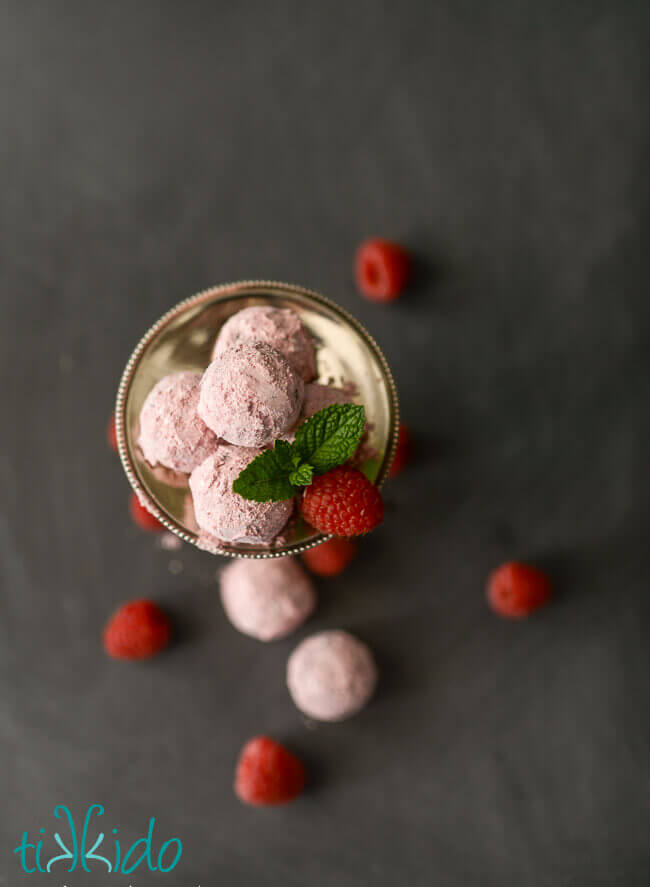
point(330, 437)
point(302, 476)
point(265, 479)
point(327, 439)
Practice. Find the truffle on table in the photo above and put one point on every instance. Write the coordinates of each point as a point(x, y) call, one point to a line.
point(331, 675)
point(267, 599)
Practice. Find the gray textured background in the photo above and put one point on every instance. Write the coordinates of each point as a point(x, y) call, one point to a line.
point(148, 150)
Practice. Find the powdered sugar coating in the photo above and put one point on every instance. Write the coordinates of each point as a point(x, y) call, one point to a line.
point(279, 327)
point(331, 675)
point(250, 394)
point(318, 397)
point(171, 432)
point(226, 515)
point(267, 599)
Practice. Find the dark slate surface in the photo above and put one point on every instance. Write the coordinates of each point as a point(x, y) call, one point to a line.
point(148, 150)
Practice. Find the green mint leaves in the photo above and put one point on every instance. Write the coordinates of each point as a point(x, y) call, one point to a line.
point(330, 437)
point(266, 478)
point(326, 440)
point(302, 476)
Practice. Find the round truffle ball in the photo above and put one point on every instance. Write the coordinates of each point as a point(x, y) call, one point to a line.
point(267, 599)
point(331, 675)
point(250, 394)
point(278, 327)
point(318, 397)
point(172, 433)
point(226, 515)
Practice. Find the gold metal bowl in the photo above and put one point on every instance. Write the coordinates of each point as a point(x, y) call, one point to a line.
point(183, 339)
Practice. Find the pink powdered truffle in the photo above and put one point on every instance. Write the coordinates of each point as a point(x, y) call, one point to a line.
point(250, 394)
point(318, 397)
point(171, 432)
point(279, 327)
point(331, 675)
point(267, 599)
point(226, 515)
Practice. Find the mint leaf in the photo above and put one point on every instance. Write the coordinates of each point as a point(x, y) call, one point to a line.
point(330, 437)
point(302, 476)
point(282, 451)
point(327, 439)
point(265, 479)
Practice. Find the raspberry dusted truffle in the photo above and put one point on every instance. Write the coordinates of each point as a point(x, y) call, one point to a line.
point(250, 394)
point(171, 432)
point(279, 327)
point(331, 675)
point(317, 397)
point(226, 515)
point(267, 599)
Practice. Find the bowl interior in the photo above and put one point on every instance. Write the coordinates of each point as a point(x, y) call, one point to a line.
point(183, 340)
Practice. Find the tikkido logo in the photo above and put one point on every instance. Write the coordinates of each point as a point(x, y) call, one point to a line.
point(80, 849)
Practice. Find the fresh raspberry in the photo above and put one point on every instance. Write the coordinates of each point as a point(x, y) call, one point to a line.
point(343, 502)
point(111, 436)
point(381, 269)
point(267, 773)
point(331, 557)
point(143, 518)
point(515, 590)
point(403, 452)
point(137, 630)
